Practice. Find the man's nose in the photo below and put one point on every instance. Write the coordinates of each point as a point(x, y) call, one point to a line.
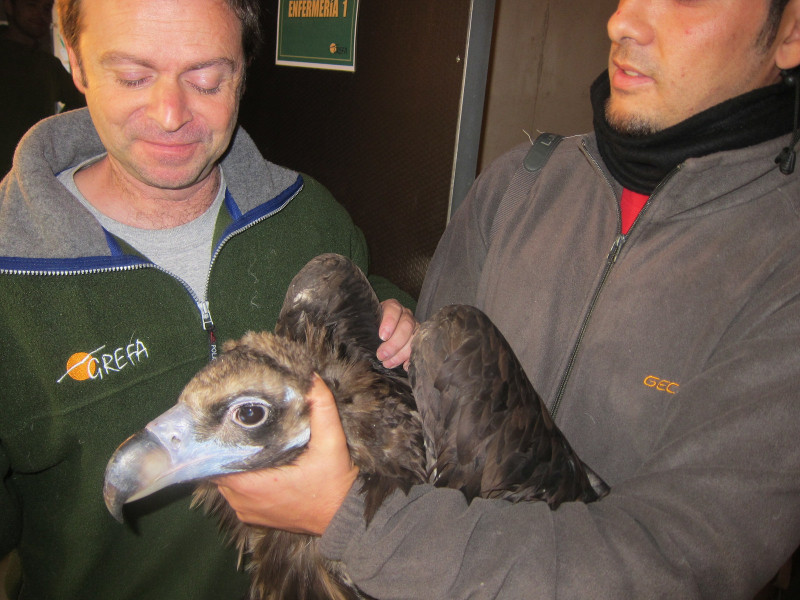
point(168, 105)
point(631, 21)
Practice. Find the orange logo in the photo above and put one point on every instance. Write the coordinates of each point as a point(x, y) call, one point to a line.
point(82, 366)
point(97, 364)
point(662, 385)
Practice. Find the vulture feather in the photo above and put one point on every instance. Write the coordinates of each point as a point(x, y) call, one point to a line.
point(473, 422)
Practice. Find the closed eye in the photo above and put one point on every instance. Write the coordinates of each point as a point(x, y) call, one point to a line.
point(206, 91)
point(208, 78)
point(132, 82)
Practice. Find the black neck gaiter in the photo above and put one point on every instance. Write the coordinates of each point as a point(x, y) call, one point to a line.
point(640, 162)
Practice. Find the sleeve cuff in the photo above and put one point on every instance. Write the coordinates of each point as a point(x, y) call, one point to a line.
point(347, 523)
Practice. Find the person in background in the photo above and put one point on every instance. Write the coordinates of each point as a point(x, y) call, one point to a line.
point(649, 281)
point(135, 236)
point(35, 83)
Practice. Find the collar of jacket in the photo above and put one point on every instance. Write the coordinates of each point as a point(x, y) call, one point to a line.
point(40, 219)
point(641, 162)
point(709, 183)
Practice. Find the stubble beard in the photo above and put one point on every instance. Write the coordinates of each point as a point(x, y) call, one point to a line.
point(629, 124)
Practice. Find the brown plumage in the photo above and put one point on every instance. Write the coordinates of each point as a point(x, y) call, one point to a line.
point(477, 424)
point(486, 430)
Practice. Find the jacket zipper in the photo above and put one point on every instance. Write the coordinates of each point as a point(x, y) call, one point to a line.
point(205, 313)
point(208, 325)
point(611, 259)
point(39, 273)
point(203, 307)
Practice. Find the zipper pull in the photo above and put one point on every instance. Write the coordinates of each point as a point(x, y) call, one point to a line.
point(212, 345)
point(615, 249)
point(208, 325)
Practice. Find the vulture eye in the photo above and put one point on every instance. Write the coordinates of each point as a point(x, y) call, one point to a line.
point(249, 413)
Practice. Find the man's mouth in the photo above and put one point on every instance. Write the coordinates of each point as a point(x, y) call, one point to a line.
point(629, 70)
point(171, 148)
point(625, 76)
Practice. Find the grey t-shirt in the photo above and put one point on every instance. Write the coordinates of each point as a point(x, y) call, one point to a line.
point(184, 251)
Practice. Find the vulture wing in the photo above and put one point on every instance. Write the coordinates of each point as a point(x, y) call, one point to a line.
point(487, 432)
point(331, 293)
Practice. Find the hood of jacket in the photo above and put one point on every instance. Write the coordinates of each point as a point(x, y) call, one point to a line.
point(40, 218)
point(717, 181)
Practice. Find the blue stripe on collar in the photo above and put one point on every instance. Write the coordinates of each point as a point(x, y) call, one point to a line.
point(69, 266)
point(262, 210)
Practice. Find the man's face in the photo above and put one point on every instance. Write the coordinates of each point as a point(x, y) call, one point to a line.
point(671, 59)
point(32, 18)
point(162, 80)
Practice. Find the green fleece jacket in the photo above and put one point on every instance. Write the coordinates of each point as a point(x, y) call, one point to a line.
point(98, 341)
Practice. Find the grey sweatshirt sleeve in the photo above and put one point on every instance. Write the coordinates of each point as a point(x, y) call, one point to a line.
point(431, 544)
point(709, 509)
point(712, 512)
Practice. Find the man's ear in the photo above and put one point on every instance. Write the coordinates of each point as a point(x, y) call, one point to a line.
point(76, 68)
point(787, 51)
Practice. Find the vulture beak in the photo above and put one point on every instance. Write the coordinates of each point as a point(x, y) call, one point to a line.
point(167, 451)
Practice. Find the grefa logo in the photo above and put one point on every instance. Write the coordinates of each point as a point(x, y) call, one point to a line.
point(97, 364)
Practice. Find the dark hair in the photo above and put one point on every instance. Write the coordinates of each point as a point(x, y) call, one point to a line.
point(247, 11)
point(770, 29)
point(249, 14)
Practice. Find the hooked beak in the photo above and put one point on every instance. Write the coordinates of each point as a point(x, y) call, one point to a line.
point(165, 452)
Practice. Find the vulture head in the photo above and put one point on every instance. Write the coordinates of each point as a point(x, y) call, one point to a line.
point(473, 422)
point(244, 411)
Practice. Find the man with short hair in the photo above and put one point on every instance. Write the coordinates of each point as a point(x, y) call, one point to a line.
point(134, 237)
point(649, 281)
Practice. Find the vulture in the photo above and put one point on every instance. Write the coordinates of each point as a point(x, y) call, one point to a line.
point(465, 417)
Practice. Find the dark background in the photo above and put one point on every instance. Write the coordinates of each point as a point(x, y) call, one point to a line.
point(381, 139)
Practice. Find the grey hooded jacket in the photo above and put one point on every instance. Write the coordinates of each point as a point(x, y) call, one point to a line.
point(670, 358)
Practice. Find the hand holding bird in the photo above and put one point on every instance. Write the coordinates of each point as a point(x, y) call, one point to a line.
point(291, 497)
point(397, 329)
